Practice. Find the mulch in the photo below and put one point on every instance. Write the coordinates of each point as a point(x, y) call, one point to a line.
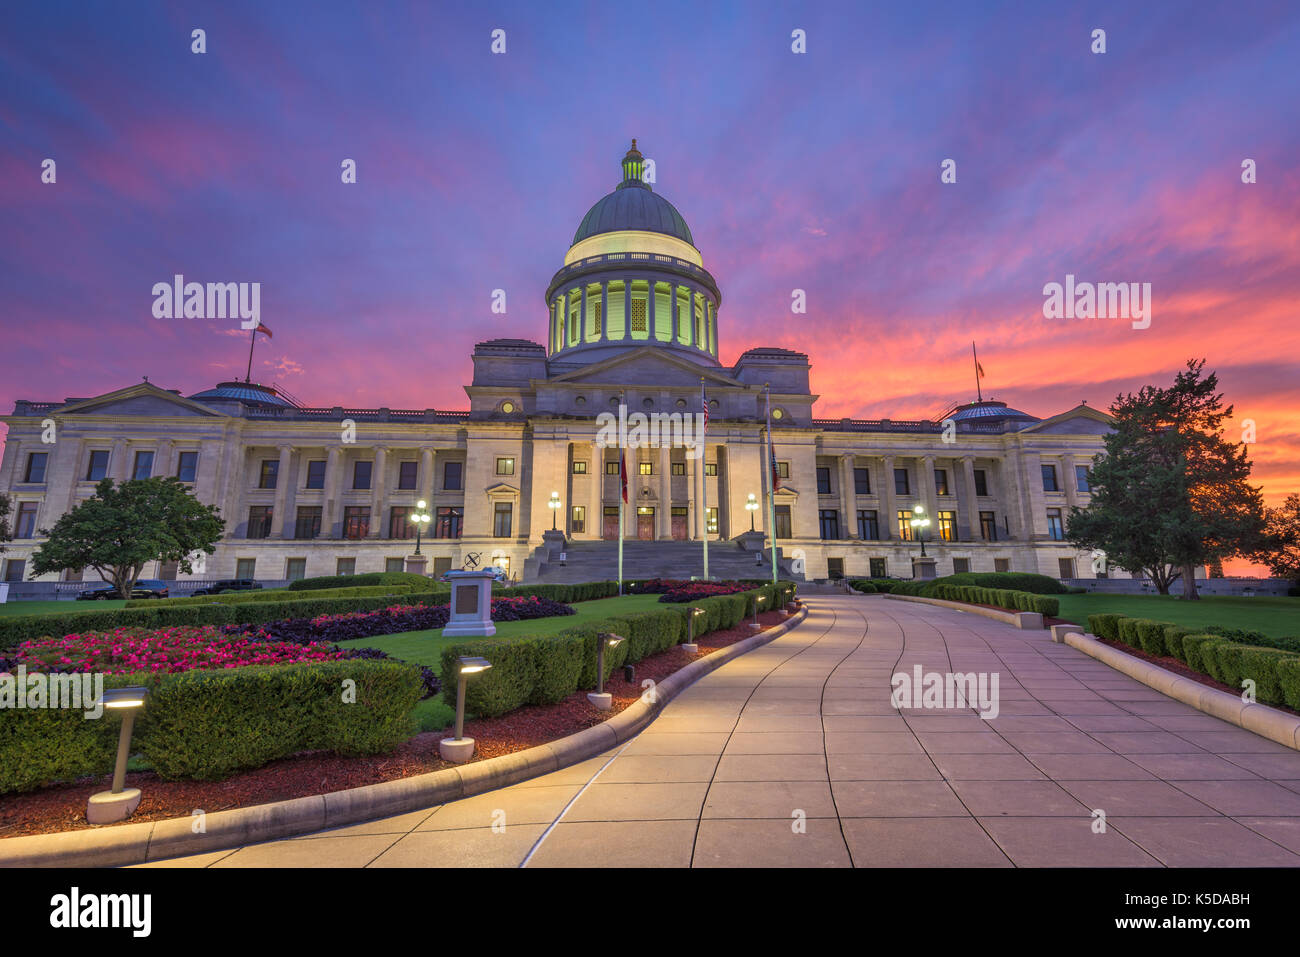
point(63, 807)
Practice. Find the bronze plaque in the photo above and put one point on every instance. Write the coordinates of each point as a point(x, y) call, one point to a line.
point(467, 599)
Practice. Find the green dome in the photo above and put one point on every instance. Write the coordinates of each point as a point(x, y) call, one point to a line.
point(633, 205)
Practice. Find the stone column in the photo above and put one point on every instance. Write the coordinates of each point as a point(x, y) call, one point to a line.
point(119, 469)
point(582, 316)
point(162, 464)
point(693, 470)
point(333, 496)
point(653, 328)
point(676, 313)
point(282, 482)
point(604, 311)
point(596, 498)
point(967, 503)
point(848, 496)
point(889, 520)
point(663, 516)
point(378, 493)
point(14, 465)
point(627, 309)
point(1035, 502)
point(1071, 484)
point(426, 482)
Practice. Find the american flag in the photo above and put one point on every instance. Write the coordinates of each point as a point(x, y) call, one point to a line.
point(622, 471)
point(771, 446)
point(704, 404)
point(776, 479)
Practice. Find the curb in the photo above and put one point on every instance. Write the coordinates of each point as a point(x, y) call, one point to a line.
point(159, 840)
point(1260, 718)
point(1026, 620)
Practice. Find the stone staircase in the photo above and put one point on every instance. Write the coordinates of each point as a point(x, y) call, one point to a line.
point(598, 561)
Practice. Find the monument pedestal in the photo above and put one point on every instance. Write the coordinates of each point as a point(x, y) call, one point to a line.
point(471, 605)
point(416, 564)
point(924, 567)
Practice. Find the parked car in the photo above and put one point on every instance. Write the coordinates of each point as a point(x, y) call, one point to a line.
point(144, 588)
point(230, 584)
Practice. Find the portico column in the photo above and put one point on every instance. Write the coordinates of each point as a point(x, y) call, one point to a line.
point(692, 494)
point(281, 492)
point(633, 489)
point(1034, 499)
point(925, 486)
point(426, 476)
point(627, 308)
point(163, 462)
point(663, 520)
point(967, 519)
point(596, 500)
point(329, 514)
point(378, 492)
point(13, 464)
point(652, 328)
point(582, 316)
point(604, 311)
point(119, 473)
point(1071, 481)
point(676, 313)
point(847, 497)
point(889, 521)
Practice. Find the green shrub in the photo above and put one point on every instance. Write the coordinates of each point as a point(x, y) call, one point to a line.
point(1150, 635)
point(359, 581)
point(1194, 647)
point(285, 594)
point(559, 660)
point(1047, 607)
point(1265, 667)
point(507, 685)
point(1128, 631)
point(1223, 662)
point(1104, 626)
point(1288, 679)
point(1174, 635)
point(866, 587)
point(1013, 581)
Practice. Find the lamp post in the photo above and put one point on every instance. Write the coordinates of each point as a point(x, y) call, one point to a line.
point(751, 506)
point(600, 698)
point(689, 644)
point(120, 802)
point(421, 519)
point(461, 748)
point(758, 600)
point(554, 505)
point(920, 523)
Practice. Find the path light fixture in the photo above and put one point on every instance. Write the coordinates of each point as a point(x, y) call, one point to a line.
point(919, 524)
point(758, 600)
point(554, 505)
point(119, 803)
point(421, 520)
point(689, 644)
point(600, 697)
point(751, 506)
point(460, 748)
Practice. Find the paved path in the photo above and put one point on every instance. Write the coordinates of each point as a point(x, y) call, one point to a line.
point(802, 730)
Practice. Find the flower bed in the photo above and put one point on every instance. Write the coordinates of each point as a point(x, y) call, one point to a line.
point(680, 590)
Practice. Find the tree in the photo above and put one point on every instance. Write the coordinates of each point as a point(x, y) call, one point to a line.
point(125, 526)
point(5, 532)
point(1280, 549)
point(1170, 493)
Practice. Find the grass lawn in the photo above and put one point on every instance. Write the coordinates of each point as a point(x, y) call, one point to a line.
point(62, 607)
point(1276, 617)
point(425, 647)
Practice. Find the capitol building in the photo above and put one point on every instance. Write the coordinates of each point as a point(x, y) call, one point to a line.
point(632, 316)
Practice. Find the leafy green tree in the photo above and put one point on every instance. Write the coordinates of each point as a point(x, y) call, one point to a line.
point(1170, 493)
point(1280, 549)
point(123, 527)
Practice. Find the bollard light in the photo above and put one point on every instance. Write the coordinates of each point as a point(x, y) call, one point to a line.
point(689, 644)
point(120, 802)
point(758, 600)
point(461, 748)
point(600, 698)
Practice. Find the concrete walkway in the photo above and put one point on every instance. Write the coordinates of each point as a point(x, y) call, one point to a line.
point(793, 756)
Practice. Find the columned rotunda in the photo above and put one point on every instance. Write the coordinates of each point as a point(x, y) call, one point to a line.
point(632, 313)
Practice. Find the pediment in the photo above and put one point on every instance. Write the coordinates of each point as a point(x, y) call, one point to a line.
point(144, 399)
point(1081, 420)
point(645, 366)
point(502, 490)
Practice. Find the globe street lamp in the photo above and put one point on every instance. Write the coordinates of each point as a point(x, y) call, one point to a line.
point(919, 525)
point(751, 506)
point(421, 519)
point(554, 505)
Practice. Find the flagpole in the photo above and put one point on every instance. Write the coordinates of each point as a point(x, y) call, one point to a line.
point(704, 479)
point(771, 482)
point(979, 396)
point(622, 468)
point(248, 376)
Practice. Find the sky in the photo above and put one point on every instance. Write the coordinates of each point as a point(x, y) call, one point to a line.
point(818, 171)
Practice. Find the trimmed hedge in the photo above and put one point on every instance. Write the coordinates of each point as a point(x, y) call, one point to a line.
point(1000, 597)
point(359, 581)
point(1104, 626)
point(285, 594)
point(206, 725)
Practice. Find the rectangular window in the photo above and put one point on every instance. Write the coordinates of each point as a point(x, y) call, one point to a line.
point(646, 468)
point(356, 521)
point(259, 521)
point(36, 467)
point(316, 474)
point(960, 566)
point(948, 526)
point(579, 468)
point(98, 466)
point(345, 566)
point(1081, 477)
point(441, 566)
point(407, 473)
point(835, 568)
point(246, 568)
point(783, 470)
point(1055, 530)
point(25, 520)
point(505, 466)
point(981, 482)
point(611, 468)
point(905, 524)
point(783, 521)
point(295, 569)
point(502, 516)
point(988, 527)
point(868, 524)
point(901, 486)
point(451, 476)
point(269, 474)
point(361, 473)
point(823, 480)
point(73, 574)
point(710, 468)
point(711, 521)
point(393, 565)
point(829, 521)
point(861, 482)
point(399, 522)
point(879, 568)
point(448, 523)
point(678, 468)
point(307, 522)
point(1002, 564)
point(578, 523)
point(143, 466)
point(14, 569)
point(941, 482)
point(1049, 478)
point(1066, 566)
point(187, 466)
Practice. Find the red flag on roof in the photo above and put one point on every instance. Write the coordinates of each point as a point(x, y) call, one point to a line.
point(262, 329)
